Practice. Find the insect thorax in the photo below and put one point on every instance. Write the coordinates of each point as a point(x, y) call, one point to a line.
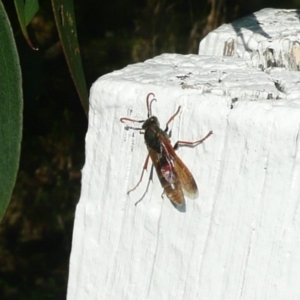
point(152, 138)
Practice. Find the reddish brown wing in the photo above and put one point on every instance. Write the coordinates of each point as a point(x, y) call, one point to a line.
point(186, 178)
point(173, 190)
point(182, 172)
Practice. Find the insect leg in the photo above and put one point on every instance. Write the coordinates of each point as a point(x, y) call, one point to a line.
point(146, 191)
point(191, 144)
point(172, 118)
point(144, 168)
point(131, 120)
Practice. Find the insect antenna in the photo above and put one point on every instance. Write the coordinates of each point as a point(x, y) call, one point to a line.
point(149, 104)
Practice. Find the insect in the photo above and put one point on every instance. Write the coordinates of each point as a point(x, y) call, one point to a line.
point(173, 174)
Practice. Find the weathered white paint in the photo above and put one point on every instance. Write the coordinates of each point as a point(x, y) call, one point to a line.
point(241, 238)
point(269, 37)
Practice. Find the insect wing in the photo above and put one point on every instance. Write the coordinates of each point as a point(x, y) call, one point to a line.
point(186, 179)
point(182, 172)
point(173, 190)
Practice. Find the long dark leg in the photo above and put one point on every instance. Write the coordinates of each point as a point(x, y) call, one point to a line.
point(144, 168)
point(146, 191)
point(191, 144)
point(122, 120)
point(172, 118)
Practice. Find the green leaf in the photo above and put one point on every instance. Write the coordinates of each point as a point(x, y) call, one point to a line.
point(31, 8)
point(66, 27)
point(26, 11)
point(11, 106)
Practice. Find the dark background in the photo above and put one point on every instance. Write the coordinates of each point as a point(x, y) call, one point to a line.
point(36, 232)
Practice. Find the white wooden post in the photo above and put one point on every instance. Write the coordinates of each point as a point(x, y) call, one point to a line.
point(241, 238)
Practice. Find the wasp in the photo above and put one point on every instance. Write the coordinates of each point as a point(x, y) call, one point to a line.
point(174, 176)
